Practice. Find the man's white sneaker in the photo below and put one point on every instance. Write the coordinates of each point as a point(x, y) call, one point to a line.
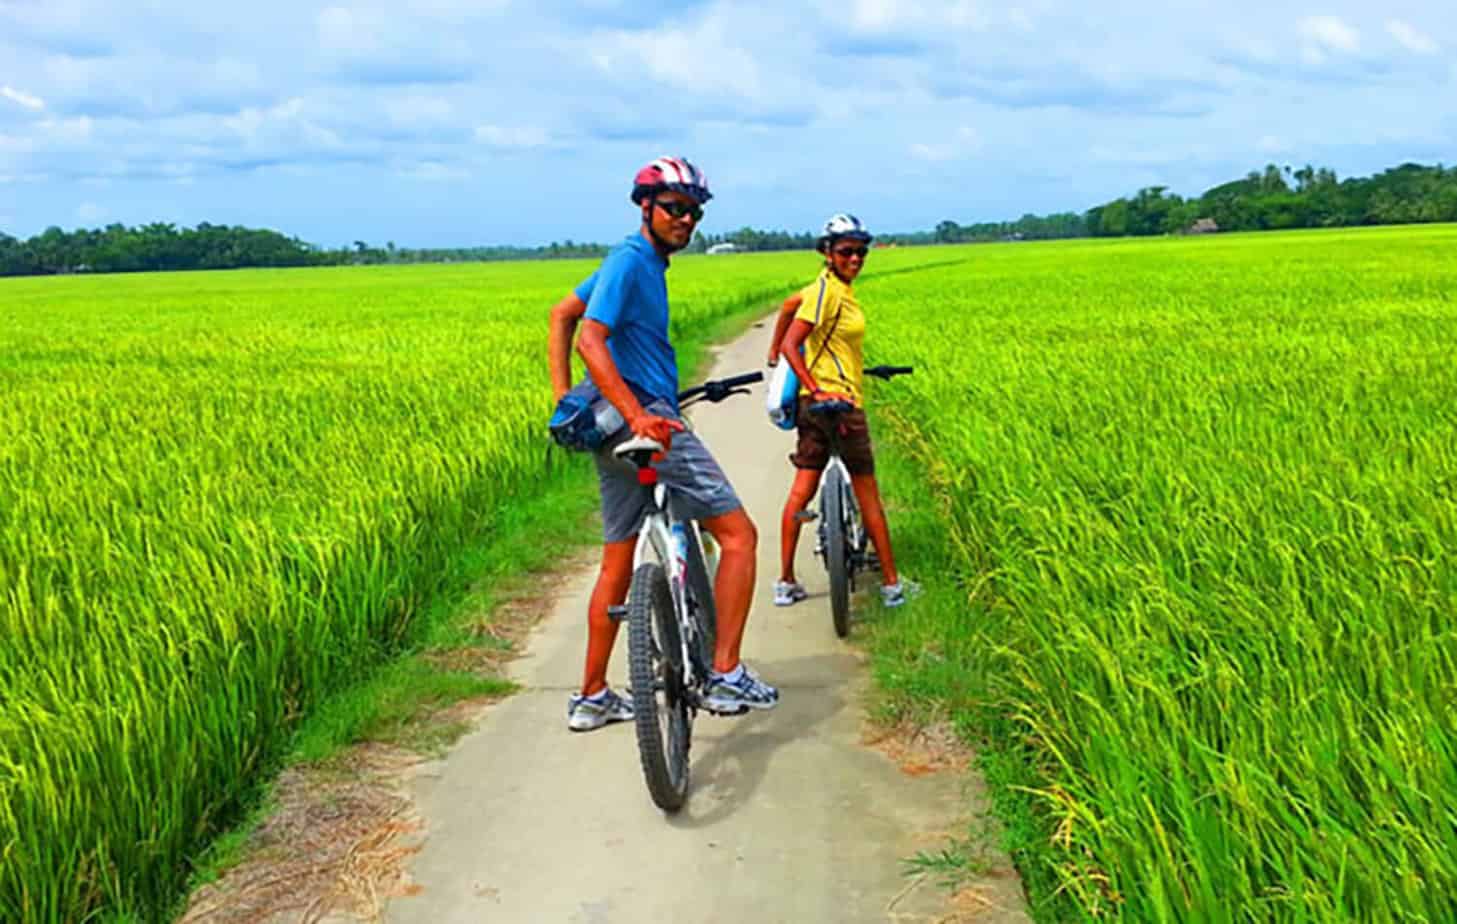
point(738, 691)
point(584, 713)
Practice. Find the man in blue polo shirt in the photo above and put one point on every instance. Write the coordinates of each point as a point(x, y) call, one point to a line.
point(624, 344)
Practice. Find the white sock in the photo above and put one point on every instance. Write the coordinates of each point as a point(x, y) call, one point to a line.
point(733, 676)
point(599, 696)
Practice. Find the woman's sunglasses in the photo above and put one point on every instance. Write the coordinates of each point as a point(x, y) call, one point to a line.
point(677, 209)
point(851, 252)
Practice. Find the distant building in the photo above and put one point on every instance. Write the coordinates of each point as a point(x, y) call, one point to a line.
point(725, 247)
point(1203, 226)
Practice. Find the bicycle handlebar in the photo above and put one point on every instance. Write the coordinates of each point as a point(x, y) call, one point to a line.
point(889, 372)
point(718, 389)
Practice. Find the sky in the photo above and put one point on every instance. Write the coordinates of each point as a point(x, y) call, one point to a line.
point(439, 123)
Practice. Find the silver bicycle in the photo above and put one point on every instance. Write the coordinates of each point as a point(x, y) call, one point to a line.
point(841, 538)
point(671, 619)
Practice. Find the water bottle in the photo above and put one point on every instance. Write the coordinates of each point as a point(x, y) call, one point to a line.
point(607, 418)
point(680, 547)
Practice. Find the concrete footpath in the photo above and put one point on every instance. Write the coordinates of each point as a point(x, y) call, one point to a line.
point(790, 818)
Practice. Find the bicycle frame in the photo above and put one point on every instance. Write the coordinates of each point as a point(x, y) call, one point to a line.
point(657, 539)
point(852, 508)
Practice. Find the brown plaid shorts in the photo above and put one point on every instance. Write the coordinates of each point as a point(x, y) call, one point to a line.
point(813, 449)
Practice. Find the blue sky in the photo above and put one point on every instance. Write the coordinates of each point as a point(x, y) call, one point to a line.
point(446, 122)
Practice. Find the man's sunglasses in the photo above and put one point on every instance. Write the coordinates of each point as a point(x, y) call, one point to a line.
point(678, 209)
point(851, 252)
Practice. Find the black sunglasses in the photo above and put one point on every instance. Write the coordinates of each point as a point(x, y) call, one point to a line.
point(851, 252)
point(678, 209)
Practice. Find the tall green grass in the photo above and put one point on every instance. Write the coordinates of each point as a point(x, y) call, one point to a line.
point(1201, 497)
point(224, 496)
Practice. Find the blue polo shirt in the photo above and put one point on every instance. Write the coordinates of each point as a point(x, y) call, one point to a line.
point(629, 296)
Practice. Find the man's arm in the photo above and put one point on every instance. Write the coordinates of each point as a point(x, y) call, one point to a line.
point(781, 324)
point(564, 317)
point(592, 346)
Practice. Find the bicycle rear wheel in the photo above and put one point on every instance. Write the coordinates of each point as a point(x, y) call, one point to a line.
point(660, 705)
point(837, 559)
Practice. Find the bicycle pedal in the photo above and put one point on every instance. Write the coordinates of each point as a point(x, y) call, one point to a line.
point(723, 714)
point(617, 613)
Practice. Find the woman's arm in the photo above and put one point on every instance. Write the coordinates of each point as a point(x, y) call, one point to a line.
point(781, 324)
point(789, 348)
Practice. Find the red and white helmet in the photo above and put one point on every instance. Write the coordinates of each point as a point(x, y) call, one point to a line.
point(670, 174)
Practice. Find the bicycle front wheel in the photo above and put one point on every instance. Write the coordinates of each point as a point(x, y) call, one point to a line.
point(700, 587)
point(660, 706)
point(837, 559)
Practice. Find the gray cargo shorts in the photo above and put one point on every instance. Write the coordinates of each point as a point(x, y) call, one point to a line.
point(700, 488)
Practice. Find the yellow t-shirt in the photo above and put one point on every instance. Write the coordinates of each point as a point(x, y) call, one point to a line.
point(835, 349)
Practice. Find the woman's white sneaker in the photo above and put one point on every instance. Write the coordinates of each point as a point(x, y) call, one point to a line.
point(788, 593)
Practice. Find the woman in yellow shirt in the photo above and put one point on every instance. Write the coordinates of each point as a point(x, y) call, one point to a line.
point(825, 320)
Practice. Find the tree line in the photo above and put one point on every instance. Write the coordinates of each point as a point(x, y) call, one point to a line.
point(1270, 199)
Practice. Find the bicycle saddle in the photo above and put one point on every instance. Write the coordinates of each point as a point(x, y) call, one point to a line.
point(836, 406)
point(637, 444)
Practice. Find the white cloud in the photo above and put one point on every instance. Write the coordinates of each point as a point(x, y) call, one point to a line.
point(966, 142)
point(523, 136)
point(873, 15)
point(886, 17)
point(432, 172)
point(341, 29)
point(90, 213)
point(936, 153)
point(1330, 33)
point(1410, 38)
point(22, 98)
point(419, 110)
point(589, 88)
point(707, 57)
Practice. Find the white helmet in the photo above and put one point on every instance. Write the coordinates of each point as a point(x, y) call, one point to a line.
point(840, 226)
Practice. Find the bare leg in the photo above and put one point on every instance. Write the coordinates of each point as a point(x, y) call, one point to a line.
point(806, 480)
point(867, 492)
point(733, 589)
point(612, 584)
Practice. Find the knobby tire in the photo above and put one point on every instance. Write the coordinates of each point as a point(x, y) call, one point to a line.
point(836, 554)
point(660, 707)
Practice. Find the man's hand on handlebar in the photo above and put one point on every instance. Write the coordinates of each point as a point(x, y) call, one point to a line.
point(653, 427)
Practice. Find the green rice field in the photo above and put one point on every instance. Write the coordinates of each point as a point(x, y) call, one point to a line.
point(1195, 502)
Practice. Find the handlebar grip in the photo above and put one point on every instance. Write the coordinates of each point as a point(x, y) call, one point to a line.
point(748, 378)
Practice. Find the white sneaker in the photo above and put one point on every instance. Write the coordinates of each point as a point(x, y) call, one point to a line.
point(893, 595)
point(585, 713)
point(788, 593)
point(737, 696)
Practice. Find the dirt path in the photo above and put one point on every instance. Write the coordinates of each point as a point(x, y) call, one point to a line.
point(791, 817)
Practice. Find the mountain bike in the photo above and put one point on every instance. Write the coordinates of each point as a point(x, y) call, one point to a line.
point(671, 618)
point(841, 538)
